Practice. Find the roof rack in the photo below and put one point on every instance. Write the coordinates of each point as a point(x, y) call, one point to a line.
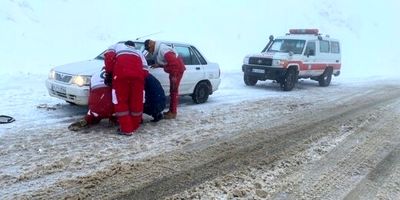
point(304, 31)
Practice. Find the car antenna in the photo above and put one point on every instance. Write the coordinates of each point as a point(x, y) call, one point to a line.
point(149, 35)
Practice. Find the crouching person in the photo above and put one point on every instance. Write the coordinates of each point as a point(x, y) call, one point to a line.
point(154, 98)
point(100, 104)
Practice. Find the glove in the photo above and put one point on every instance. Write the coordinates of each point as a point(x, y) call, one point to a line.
point(108, 79)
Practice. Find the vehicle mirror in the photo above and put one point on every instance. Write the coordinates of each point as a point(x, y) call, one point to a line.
point(271, 37)
point(311, 52)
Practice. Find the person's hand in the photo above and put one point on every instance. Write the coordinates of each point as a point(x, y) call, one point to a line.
point(108, 79)
point(155, 65)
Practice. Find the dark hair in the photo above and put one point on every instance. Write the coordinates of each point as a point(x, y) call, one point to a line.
point(147, 45)
point(129, 43)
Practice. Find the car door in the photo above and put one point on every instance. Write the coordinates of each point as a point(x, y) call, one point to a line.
point(323, 59)
point(194, 70)
point(309, 57)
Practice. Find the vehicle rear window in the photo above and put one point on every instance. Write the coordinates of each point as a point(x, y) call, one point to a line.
point(198, 54)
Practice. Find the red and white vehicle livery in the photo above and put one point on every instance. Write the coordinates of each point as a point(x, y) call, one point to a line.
point(301, 53)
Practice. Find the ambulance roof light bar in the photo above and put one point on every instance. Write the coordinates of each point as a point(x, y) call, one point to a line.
point(304, 31)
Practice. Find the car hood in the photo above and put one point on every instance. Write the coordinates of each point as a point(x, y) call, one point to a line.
point(274, 55)
point(81, 68)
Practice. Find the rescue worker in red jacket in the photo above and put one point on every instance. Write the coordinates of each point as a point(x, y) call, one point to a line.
point(100, 104)
point(167, 58)
point(124, 71)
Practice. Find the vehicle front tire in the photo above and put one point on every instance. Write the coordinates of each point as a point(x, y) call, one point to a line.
point(325, 79)
point(290, 80)
point(71, 103)
point(201, 92)
point(249, 80)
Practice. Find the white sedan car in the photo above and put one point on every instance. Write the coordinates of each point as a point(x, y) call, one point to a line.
point(71, 82)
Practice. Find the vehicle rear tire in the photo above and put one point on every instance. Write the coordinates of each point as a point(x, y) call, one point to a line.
point(201, 92)
point(288, 83)
point(325, 79)
point(249, 80)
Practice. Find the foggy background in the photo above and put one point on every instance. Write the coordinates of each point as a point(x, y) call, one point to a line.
point(37, 35)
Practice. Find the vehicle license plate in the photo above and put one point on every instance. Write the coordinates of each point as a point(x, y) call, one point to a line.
point(58, 88)
point(258, 70)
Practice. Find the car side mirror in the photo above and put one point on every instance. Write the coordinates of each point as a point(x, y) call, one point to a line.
point(311, 52)
point(271, 37)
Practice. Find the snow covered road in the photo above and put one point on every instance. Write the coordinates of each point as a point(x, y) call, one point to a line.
point(254, 142)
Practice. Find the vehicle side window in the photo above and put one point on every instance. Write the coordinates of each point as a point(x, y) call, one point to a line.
point(310, 48)
point(198, 54)
point(187, 55)
point(335, 47)
point(324, 46)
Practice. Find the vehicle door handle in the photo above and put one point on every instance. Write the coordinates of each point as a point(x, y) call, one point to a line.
point(197, 68)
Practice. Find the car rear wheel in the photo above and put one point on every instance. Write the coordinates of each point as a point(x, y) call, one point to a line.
point(325, 79)
point(201, 92)
point(249, 80)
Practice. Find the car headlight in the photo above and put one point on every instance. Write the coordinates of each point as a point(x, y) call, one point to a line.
point(81, 80)
point(52, 74)
point(277, 62)
point(246, 60)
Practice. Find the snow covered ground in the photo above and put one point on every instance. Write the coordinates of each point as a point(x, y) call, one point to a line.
point(40, 157)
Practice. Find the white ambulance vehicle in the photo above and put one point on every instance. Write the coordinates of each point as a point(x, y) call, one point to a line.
point(301, 53)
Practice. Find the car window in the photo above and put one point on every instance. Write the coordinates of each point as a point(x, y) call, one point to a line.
point(287, 45)
point(187, 55)
point(310, 48)
point(198, 54)
point(335, 47)
point(324, 46)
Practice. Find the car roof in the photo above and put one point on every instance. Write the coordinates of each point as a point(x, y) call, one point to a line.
point(305, 37)
point(165, 41)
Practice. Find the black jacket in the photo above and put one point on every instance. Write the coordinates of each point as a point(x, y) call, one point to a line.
point(154, 96)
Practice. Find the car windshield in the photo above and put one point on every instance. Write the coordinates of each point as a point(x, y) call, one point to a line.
point(138, 45)
point(287, 45)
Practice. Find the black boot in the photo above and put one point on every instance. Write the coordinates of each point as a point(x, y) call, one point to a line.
point(157, 117)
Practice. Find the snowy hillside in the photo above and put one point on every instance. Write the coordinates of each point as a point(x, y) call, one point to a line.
point(37, 35)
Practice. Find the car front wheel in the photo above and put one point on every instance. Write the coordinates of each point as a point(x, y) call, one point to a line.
point(290, 80)
point(201, 92)
point(250, 80)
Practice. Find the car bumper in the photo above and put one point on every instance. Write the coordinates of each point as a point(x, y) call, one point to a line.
point(263, 72)
point(67, 92)
point(215, 84)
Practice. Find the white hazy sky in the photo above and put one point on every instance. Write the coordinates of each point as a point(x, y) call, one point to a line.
point(38, 34)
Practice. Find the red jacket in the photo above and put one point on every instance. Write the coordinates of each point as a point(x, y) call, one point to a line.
point(167, 57)
point(124, 61)
point(174, 63)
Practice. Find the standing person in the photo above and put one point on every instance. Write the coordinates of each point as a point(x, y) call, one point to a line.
point(167, 58)
point(124, 71)
point(154, 98)
point(100, 103)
